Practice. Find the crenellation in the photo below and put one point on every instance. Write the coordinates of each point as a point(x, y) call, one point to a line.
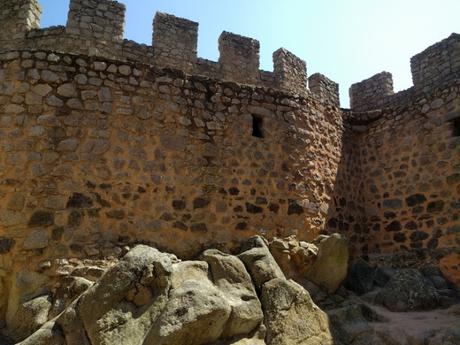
point(175, 42)
point(239, 58)
point(96, 19)
point(324, 88)
point(95, 28)
point(370, 94)
point(290, 71)
point(437, 63)
point(18, 17)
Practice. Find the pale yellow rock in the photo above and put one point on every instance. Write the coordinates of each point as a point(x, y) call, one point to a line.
point(331, 265)
point(291, 316)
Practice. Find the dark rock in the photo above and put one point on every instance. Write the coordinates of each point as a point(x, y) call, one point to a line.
point(393, 226)
point(332, 223)
point(408, 290)
point(6, 244)
point(41, 218)
point(294, 208)
point(399, 237)
point(200, 203)
point(179, 205)
point(435, 206)
point(419, 236)
point(415, 199)
point(389, 215)
point(273, 207)
point(431, 271)
point(241, 226)
point(392, 203)
point(360, 277)
point(100, 201)
point(411, 225)
point(453, 179)
point(251, 208)
point(141, 190)
point(78, 200)
point(439, 282)
point(238, 209)
point(105, 186)
point(234, 191)
point(382, 276)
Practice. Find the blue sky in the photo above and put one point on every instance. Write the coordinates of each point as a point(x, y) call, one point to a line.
point(347, 40)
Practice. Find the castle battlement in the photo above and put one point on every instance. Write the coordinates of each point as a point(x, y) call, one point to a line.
point(436, 65)
point(96, 28)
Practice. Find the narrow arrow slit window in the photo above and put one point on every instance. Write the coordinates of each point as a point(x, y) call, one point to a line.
point(257, 126)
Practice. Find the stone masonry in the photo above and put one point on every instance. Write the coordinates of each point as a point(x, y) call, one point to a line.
point(398, 185)
point(106, 142)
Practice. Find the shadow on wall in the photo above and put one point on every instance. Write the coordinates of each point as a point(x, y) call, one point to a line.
point(397, 193)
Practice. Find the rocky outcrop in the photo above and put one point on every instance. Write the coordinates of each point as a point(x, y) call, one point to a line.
point(408, 290)
point(330, 267)
point(152, 298)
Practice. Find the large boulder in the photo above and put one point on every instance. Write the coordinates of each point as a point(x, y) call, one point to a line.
point(330, 267)
point(232, 279)
point(259, 262)
point(152, 298)
point(27, 304)
point(291, 317)
point(360, 277)
point(196, 311)
point(122, 306)
point(30, 316)
point(408, 290)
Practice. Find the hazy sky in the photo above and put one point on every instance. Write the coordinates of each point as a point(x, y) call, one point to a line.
point(347, 40)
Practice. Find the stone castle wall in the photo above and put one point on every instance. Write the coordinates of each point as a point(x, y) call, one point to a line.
point(106, 142)
point(97, 152)
point(398, 186)
point(95, 28)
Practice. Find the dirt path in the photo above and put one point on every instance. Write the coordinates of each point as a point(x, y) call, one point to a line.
point(417, 326)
